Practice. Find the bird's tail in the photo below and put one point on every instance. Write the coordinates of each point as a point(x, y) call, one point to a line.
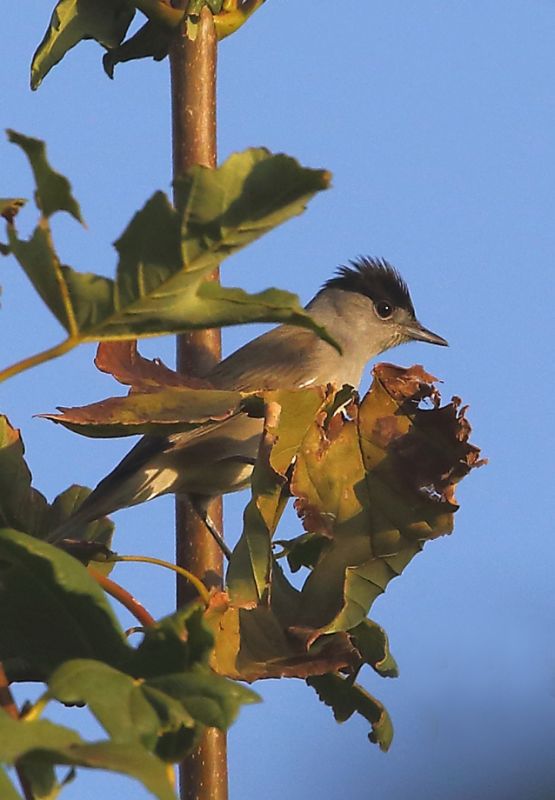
point(133, 481)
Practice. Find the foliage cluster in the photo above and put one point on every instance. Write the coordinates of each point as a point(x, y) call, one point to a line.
point(372, 479)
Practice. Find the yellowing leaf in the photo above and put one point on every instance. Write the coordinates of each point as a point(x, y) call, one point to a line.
point(377, 485)
point(157, 412)
point(288, 414)
point(252, 643)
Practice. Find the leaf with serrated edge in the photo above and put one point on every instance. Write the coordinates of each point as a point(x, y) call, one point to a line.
point(346, 698)
point(158, 413)
point(226, 208)
point(74, 20)
point(377, 485)
point(166, 255)
point(53, 191)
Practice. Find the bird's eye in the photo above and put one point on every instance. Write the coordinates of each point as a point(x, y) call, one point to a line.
point(384, 309)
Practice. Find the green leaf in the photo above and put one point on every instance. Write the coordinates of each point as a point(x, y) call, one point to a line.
point(150, 699)
point(289, 413)
point(18, 738)
point(51, 609)
point(152, 40)
point(53, 191)
point(41, 777)
point(225, 209)
point(72, 21)
point(346, 698)
point(194, 7)
point(42, 742)
point(128, 759)
point(303, 551)
point(42, 266)
point(165, 255)
point(227, 306)
point(24, 508)
point(66, 503)
point(372, 643)
point(21, 506)
point(209, 698)
point(173, 644)
point(7, 792)
point(115, 698)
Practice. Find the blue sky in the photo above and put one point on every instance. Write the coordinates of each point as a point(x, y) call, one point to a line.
point(437, 121)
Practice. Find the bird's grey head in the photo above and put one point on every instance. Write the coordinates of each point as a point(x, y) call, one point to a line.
point(393, 318)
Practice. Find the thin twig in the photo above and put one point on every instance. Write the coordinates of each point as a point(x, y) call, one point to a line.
point(124, 597)
point(204, 594)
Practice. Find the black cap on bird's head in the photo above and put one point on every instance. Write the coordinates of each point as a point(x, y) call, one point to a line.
point(376, 279)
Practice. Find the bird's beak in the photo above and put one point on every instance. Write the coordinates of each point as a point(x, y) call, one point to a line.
point(417, 331)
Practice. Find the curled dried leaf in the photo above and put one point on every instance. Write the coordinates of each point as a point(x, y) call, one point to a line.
point(122, 360)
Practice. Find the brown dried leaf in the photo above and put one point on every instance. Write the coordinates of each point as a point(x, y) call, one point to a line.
point(403, 384)
point(251, 643)
point(122, 360)
point(158, 413)
point(377, 485)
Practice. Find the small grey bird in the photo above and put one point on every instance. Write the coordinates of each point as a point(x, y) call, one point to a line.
point(366, 307)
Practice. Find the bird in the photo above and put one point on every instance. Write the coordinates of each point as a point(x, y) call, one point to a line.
point(365, 307)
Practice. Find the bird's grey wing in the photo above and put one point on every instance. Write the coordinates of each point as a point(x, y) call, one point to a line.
point(280, 359)
point(213, 458)
point(113, 491)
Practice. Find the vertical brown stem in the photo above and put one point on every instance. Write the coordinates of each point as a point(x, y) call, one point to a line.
point(203, 774)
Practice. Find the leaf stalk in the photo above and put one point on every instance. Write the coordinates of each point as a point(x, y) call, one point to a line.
point(203, 592)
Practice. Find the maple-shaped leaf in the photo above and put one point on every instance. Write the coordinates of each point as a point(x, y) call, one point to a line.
point(376, 483)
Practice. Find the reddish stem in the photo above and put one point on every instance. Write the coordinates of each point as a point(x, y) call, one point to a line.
point(124, 597)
